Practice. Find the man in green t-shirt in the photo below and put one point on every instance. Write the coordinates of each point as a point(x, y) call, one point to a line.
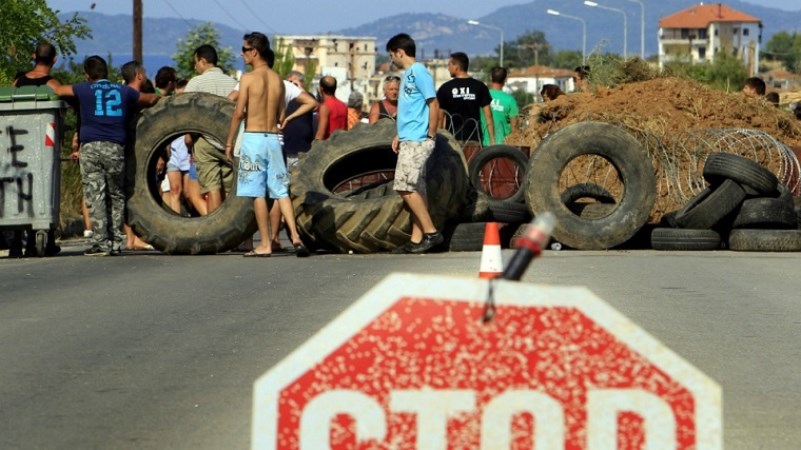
point(503, 107)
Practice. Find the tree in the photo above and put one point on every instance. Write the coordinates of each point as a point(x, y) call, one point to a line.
point(567, 59)
point(530, 48)
point(725, 73)
point(785, 47)
point(203, 33)
point(25, 23)
point(284, 59)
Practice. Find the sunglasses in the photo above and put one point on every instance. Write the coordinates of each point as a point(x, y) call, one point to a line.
point(246, 49)
point(392, 78)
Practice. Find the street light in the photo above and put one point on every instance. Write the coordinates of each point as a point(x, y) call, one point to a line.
point(642, 27)
point(625, 22)
point(553, 12)
point(479, 24)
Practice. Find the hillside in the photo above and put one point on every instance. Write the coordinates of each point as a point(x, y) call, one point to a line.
point(444, 34)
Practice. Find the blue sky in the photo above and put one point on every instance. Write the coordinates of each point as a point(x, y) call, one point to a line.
point(311, 16)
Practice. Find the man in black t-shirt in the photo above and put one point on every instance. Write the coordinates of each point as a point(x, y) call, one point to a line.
point(44, 58)
point(462, 100)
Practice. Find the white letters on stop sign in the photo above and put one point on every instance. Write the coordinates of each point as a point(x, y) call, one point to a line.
point(433, 409)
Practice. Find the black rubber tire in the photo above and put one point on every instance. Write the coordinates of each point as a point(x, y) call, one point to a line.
point(375, 223)
point(484, 156)
point(766, 213)
point(591, 211)
point(586, 190)
point(509, 211)
point(684, 239)
point(633, 165)
point(477, 209)
point(722, 166)
point(710, 206)
point(748, 240)
point(466, 237)
point(219, 231)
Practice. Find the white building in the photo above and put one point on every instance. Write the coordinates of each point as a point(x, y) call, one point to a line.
point(701, 32)
point(532, 79)
point(349, 59)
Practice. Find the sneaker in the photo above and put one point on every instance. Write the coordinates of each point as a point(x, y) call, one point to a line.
point(88, 233)
point(95, 250)
point(430, 241)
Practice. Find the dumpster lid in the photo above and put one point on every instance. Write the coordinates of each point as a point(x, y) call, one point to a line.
point(26, 93)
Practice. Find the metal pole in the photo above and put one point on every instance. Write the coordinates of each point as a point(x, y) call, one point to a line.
point(137, 30)
point(583, 31)
point(642, 27)
point(625, 23)
point(493, 27)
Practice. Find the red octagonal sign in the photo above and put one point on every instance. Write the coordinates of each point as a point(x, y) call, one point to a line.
point(411, 365)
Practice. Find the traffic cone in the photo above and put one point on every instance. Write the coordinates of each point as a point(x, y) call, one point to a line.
point(491, 259)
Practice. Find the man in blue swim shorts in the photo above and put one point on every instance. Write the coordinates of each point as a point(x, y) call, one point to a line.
point(261, 165)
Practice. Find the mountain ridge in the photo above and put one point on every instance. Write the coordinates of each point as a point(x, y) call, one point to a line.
point(441, 34)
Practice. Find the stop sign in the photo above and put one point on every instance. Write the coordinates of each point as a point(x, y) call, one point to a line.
point(413, 365)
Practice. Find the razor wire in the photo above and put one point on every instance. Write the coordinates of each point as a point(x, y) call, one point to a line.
point(678, 159)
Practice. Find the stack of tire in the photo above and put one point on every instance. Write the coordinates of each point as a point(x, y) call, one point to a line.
point(744, 208)
point(467, 232)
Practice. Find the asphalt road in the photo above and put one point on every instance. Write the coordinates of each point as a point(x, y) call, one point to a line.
point(148, 351)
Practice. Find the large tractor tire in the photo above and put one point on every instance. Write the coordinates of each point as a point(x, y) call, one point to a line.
point(223, 229)
point(366, 223)
point(634, 169)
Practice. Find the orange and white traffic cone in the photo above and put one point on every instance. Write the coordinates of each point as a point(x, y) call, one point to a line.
point(491, 259)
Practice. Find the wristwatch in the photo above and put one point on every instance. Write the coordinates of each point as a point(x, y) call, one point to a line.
point(431, 137)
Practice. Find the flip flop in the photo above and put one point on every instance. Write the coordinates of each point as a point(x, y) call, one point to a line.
point(254, 254)
point(146, 248)
point(301, 251)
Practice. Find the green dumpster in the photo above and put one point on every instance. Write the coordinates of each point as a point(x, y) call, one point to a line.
point(30, 160)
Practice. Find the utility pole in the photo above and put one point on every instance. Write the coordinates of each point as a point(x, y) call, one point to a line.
point(537, 46)
point(137, 30)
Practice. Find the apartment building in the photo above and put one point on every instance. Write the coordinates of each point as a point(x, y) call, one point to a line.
point(704, 31)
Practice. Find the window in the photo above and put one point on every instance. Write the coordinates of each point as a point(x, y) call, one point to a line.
point(701, 52)
point(745, 31)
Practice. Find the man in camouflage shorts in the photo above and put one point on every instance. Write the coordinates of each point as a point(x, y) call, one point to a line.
point(105, 110)
point(417, 126)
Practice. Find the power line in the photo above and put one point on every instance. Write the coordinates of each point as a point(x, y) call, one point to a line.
point(258, 17)
point(178, 13)
point(242, 27)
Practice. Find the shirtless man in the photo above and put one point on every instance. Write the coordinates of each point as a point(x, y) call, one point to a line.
point(261, 165)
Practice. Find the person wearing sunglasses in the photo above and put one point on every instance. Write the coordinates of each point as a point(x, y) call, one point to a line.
point(261, 169)
point(387, 107)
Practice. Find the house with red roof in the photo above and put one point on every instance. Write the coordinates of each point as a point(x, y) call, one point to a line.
point(704, 31)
